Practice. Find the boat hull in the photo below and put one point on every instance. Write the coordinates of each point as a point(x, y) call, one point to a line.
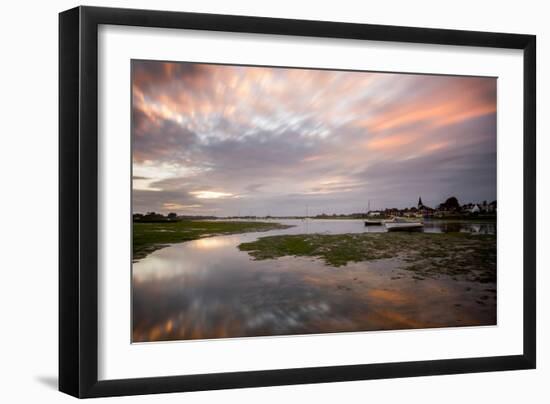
point(373, 222)
point(404, 226)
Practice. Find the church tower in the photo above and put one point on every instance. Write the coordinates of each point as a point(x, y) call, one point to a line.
point(420, 204)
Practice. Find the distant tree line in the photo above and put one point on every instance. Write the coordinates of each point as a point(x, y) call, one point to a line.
point(154, 217)
point(451, 207)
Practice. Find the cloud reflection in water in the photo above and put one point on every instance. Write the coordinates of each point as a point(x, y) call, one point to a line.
point(209, 289)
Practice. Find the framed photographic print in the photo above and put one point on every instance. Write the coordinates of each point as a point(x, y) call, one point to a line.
point(251, 201)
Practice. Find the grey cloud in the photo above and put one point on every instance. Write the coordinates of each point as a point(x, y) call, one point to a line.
point(278, 150)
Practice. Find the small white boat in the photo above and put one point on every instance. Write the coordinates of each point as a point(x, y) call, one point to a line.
point(399, 224)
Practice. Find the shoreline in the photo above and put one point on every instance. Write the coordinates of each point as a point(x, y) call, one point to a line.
point(468, 256)
point(149, 237)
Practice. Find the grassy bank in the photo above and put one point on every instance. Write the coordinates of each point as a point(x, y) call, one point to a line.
point(427, 254)
point(148, 237)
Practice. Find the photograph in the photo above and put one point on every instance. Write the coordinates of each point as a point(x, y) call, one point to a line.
point(273, 201)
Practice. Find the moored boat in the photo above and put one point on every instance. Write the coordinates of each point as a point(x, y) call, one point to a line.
point(399, 224)
point(375, 222)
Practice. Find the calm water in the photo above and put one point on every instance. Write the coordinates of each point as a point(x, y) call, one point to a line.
point(209, 289)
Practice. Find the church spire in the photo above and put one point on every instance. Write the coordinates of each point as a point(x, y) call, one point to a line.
point(420, 204)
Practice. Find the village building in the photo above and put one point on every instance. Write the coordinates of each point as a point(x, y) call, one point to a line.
point(424, 210)
point(449, 208)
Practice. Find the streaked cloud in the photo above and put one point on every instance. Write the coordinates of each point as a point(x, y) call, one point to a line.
point(179, 207)
point(254, 140)
point(211, 194)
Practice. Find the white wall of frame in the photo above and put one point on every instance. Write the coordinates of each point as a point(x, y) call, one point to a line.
point(28, 163)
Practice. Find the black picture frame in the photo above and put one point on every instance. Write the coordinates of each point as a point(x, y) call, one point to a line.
point(78, 194)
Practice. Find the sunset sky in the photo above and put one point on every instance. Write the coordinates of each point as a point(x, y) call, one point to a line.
point(228, 140)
